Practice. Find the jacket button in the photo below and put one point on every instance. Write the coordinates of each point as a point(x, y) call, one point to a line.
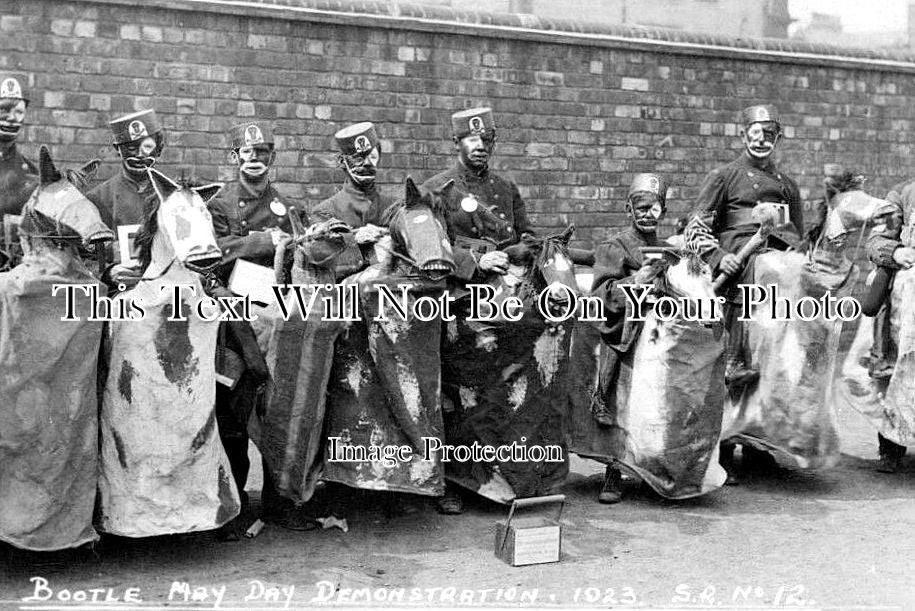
point(244, 223)
point(475, 230)
point(241, 204)
point(501, 215)
point(756, 185)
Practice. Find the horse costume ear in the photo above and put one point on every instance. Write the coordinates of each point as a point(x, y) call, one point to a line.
point(672, 257)
point(90, 170)
point(47, 172)
point(82, 177)
point(162, 184)
point(445, 189)
point(413, 194)
point(208, 192)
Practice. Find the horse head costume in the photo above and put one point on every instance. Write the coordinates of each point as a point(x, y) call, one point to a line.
point(164, 470)
point(179, 229)
point(49, 451)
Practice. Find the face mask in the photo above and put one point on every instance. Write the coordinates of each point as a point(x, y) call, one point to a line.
point(12, 115)
point(760, 139)
point(475, 150)
point(254, 161)
point(362, 168)
point(139, 156)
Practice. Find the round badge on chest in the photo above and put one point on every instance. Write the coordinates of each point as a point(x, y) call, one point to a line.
point(278, 208)
point(469, 204)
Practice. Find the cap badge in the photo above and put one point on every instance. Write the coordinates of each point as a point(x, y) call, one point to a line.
point(137, 130)
point(362, 145)
point(761, 114)
point(278, 208)
point(476, 125)
point(253, 135)
point(653, 185)
point(10, 88)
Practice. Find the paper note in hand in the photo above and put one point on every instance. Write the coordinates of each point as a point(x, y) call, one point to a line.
point(252, 280)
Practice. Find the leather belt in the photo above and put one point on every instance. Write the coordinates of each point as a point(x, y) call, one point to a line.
point(744, 216)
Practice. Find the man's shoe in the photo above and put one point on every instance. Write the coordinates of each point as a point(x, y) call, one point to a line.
point(228, 532)
point(889, 464)
point(451, 504)
point(726, 460)
point(738, 375)
point(398, 505)
point(758, 460)
point(290, 518)
point(612, 490)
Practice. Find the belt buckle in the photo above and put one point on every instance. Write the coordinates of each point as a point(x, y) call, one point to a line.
point(784, 213)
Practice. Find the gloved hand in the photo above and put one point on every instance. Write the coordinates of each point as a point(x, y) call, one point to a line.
point(369, 233)
point(494, 261)
point(121, 274)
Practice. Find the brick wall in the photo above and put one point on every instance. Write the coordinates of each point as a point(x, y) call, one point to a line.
point(577, 115)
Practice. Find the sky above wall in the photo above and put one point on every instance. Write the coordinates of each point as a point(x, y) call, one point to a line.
point(856, 15)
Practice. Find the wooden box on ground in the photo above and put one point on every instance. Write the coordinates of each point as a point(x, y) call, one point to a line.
point(534, 537)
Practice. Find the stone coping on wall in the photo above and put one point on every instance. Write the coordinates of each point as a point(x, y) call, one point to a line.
point(446, 20)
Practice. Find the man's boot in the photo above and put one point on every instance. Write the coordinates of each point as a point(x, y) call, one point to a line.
point(737, 373)
point(451, 504)
point(726, 460)
point(280, 511)
point(891, 454)
point(612, 490)
point(758, 460)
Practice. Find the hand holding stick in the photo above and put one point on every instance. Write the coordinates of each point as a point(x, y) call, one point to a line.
point(767, 217)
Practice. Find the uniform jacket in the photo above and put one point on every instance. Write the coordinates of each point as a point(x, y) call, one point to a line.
point(18, 178)
point(121, 200)
point(616, 262)
point(241, 219)
point(490, 190)
point(741, 185)
point(353, 206)
point(356, 208)
point(895, 228)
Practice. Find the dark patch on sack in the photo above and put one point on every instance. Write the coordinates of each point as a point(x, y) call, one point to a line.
point(204, 434)
point(119, 447)
point(125, 378)
point(173, 348)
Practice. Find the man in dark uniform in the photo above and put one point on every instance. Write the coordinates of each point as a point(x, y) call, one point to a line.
point(487, 212)
point(486, 215)
point(359, 204)
point(727, 198)
point(249, 218)
point(249, 215)
point(620, 260)
point(128, 197)
point(891, 245)
point(18, 175)
point(726, 201)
